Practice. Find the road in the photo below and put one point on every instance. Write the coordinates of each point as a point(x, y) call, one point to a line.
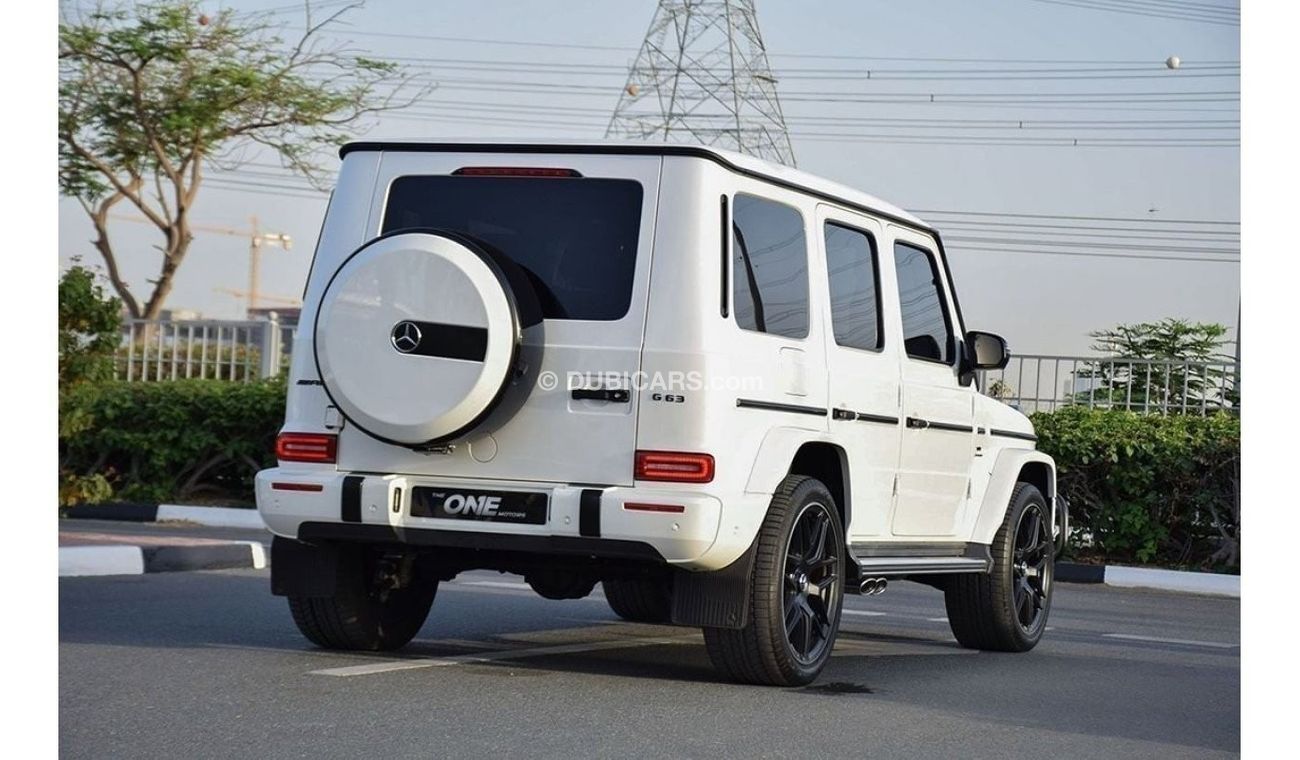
point(209, 665)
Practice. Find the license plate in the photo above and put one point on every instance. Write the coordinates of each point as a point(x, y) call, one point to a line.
point(488, 506)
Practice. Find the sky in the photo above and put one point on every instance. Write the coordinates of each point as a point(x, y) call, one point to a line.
point(1032, 53)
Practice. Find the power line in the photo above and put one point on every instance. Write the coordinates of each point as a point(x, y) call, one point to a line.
point(1078, 218)
point(1123, 256)
point(1099, 5)
point(478, 41)
point(1098, 246)
point(1087, 249)
point(1087, 232)
point(586, 128)
point(571, 70)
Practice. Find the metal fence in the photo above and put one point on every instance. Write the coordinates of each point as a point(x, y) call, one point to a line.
point(238, 350)
point(1035, 383)
point(250, 349)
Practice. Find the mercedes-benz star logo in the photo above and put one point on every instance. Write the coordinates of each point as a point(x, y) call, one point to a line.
point(406, 337)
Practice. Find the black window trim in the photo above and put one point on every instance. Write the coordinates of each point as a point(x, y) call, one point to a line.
point(881, 337)
point(803, 221)
point(725, 230)
point(940, 279)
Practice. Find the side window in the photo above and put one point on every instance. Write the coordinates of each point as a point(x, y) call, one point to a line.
point(769, 264)
point(927, 332)
point(854, 287)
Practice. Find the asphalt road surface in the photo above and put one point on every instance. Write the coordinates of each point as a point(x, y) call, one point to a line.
point(209, 664)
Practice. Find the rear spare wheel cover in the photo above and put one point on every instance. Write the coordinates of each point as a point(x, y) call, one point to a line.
point(416, 336)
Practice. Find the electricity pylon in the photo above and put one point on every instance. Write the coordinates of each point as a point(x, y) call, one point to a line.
point(702, 76)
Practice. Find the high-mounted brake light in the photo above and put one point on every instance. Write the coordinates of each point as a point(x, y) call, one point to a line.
point(513, 171)
point(321, 448)
point(675, 467)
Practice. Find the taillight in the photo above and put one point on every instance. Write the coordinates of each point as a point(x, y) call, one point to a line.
point(674, 467)
point(513, 171)
point(321, 448)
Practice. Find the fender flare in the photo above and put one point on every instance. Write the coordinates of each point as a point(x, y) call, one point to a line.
point(775, 454)
point(1002, 481)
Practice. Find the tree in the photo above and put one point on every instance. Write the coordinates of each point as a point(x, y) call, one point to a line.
point(1173, 364)
point(89, 328)
point(151, 92)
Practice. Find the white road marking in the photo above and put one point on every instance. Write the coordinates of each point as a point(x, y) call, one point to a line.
point(865, 613)
point(496, 584)
point(259, 553)
point(1160, 640)
point(508, 654)
point(938, 620)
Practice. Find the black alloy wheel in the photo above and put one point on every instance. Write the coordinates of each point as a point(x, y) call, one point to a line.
point(1032, 568)
point(812, 576)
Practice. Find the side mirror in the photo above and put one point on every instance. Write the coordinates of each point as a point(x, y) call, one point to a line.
point(985, 351)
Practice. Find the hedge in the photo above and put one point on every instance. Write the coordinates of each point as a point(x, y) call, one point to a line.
point(1160, 489)
point(1142, 488)
point(164, 441)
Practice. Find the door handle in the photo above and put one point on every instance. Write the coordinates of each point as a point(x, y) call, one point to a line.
point(917, 423)
point(616, 395)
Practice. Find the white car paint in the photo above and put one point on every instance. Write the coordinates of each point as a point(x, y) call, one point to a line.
point(906, 485)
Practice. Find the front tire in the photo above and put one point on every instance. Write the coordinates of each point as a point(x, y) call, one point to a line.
point(1006, 610)
point(361, 615)
point(796, 591)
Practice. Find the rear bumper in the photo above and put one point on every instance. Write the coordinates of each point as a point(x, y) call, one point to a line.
point(590, 521)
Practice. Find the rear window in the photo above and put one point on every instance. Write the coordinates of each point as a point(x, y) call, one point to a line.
point(575, 237)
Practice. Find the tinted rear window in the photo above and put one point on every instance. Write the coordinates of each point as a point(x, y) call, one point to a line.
point(576, 238)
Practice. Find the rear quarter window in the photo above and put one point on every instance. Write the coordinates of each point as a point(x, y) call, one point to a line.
point(769, 267)
point(576, 238)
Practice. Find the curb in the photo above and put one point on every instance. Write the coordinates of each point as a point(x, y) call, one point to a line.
point(213, 517)
point(137, 560)
point(1121, 576)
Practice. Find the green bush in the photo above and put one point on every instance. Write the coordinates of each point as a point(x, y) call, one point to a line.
point(1145, 489)
point(90, 326)
point(1158, 489)
point(169, 440)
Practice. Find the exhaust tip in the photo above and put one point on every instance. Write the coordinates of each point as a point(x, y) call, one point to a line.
point(873, 586)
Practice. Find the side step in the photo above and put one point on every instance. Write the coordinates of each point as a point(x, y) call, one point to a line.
point(883, 559)
point(893, 566)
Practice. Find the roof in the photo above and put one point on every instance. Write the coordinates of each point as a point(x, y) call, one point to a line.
point(745, 164)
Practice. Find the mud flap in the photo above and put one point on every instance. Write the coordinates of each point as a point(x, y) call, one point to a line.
point(715, 599)
point(302, 569)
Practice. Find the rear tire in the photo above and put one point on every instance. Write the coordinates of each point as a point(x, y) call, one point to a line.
point(360, 616)
point(1006, 609)
point(796, 590)
point(640, 600)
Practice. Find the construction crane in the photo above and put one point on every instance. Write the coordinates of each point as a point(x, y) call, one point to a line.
point(256, 239)
point(277, 300)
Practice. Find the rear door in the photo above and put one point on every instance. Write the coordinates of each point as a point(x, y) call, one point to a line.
point(938, 438)
point(584, 237)
point(862, 366)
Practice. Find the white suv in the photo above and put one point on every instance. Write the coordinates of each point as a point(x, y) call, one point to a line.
point(727, 390)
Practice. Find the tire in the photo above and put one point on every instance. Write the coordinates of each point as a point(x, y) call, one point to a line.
point(359, 616)
point(1006, 610)
point(640, 600)
point(766, 651)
